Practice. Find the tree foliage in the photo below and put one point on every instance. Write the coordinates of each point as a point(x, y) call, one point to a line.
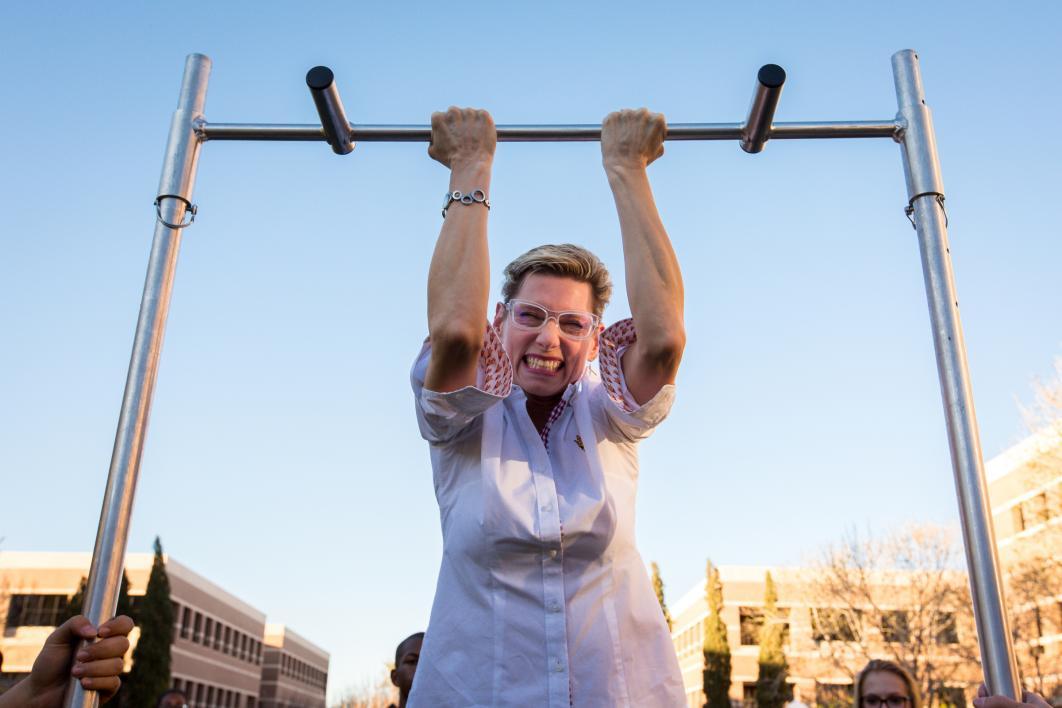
point(716, 677)
point(371, 692)
point(772, 691)
point(658, 587)
point(903, 598)
point(75, 603)
point(151, 657)
point(1033, 563)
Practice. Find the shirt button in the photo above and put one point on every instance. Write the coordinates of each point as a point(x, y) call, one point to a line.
point(554, 607)
point(548, 506)
point(557, 666)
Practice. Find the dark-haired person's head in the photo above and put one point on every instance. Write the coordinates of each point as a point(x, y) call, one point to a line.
point(172, 698)
point(407, 654)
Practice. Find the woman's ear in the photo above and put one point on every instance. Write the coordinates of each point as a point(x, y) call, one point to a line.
point(596, 344)
point(499, 316)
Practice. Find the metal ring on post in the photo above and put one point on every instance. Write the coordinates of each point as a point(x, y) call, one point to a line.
point(909, 209)
point(757, 128)
point(190, 209)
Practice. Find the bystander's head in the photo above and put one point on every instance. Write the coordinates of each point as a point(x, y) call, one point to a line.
point(172, 699)
point(885, 684)
point(406, 657)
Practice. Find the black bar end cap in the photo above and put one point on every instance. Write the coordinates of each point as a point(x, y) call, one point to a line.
point(321, 77)
point(770, 75)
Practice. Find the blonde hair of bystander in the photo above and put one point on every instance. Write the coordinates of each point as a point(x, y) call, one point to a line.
point(891, 667)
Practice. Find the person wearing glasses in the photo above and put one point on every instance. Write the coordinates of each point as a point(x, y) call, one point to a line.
point(542, 597)
point(885, 684)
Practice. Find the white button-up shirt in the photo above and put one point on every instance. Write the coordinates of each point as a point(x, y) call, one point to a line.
point(542, 598)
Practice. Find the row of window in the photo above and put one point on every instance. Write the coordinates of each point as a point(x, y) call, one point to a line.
point(829, 695)
point(201, 695)
point(214, 634)
point(301, 671)
point(36, 611)
point(830, 624)
point(1039, 621)
point(1038, 509)
point(827, 624)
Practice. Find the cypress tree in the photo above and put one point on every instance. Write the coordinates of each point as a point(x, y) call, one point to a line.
point(151, 657)
point(75, 603)
point(658, 587)
point(772, 691)
point(716, 647)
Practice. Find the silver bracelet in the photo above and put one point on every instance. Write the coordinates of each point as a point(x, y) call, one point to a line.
point(476, 196)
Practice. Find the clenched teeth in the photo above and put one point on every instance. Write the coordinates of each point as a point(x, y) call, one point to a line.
point(547, 364)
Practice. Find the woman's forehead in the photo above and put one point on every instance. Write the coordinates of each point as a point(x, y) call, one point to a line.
point(884, 683)
point(556, 292)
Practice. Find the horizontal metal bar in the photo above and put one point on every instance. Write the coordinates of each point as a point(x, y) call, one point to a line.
point(545, 133)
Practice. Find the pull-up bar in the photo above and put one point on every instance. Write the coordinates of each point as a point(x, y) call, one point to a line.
point(912, 129)
point(343, 135)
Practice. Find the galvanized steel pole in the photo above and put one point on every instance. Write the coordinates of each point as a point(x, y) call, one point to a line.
point(175, 190)
point(925, 191)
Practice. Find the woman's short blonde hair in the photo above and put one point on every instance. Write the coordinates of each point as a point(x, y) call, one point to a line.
point(565, 260)
point(890, 667)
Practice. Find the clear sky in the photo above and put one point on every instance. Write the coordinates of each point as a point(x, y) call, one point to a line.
point(283, 460)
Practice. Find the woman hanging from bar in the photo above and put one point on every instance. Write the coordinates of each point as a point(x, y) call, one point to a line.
point(542, 597)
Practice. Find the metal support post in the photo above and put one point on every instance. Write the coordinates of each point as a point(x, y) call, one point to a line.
point(173, 205)
point(925, 190)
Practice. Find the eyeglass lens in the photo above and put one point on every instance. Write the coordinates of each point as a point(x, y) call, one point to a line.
point(894, 701)
point(532, 316)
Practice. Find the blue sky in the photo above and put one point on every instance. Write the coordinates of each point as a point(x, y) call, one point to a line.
point(283, 460)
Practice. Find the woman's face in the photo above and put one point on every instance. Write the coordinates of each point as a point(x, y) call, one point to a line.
point(545, 361)
point(884, 689)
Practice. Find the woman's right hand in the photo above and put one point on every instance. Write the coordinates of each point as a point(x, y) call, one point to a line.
point(462, 137)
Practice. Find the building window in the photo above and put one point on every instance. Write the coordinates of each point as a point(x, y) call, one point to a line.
point(829, 624)
point(197, 628)
point(1017, 518)
point(748, 694)
point(1035, 510)
point(947, 630)
point(217, 635)
point(895, 626)
point(751, 624)
point(35, 610)
point(833, 695)
point(225, 648)
point(186, 623)
point(951, 697)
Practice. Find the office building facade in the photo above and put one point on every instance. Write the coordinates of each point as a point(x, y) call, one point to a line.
point(218, 653)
